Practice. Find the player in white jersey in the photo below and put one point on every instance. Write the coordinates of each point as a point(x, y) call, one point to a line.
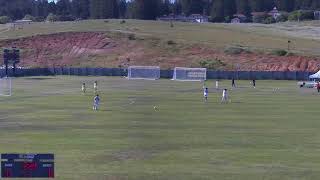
point(95, 86)
point(225, 96)
point(96, 102)
point(205, 94)
point(217, 84)
point(83, 88)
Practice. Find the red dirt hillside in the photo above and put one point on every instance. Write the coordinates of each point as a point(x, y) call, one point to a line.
point(100, 49)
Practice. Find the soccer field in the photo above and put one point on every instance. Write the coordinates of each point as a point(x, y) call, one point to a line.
point(261, 135)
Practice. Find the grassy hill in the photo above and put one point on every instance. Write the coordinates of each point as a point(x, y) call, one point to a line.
point(258, 39)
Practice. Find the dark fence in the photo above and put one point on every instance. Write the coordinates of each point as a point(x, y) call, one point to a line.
point(243, 75)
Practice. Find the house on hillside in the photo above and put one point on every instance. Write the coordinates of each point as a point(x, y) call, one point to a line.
point(195, 18)
point(258, 14)
point(19, 24)
point(317, 15)
point(238, 18)
point(274, 13)
point(198, 18)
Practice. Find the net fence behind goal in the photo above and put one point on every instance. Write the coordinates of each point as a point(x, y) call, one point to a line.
point(189, 74)
point(5, 87)
point(144, 72)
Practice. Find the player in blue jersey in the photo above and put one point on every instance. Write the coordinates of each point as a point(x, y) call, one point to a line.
point(96, 102)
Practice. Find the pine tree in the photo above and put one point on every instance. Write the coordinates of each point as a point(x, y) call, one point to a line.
point(229, 8)
point(217, 11)
point(122, 8)
point(95, 9)
point(243, 7)
point(257, 5)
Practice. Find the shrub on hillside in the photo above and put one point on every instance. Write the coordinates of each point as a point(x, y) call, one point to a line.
point(227, 19)
point(283, 17)
point(4, 19)
point(29, 17)
point(301, 15)
point(214, 64)
point(259, 18)
point(279, 52)
point(39, 19)
point(66, 18)
point(269, 20)
point(52, 18)
point(132, 37)
point(171, 42)
point(235, 50)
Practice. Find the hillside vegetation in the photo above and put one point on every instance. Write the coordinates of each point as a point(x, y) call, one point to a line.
point(158, 43)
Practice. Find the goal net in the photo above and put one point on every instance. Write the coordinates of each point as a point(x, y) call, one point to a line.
point(189, 74)
point(5, 87)
point(144, 72)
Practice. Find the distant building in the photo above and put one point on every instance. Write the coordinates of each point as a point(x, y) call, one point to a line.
point(317, 15)
point(274, 13)
point(258, 14)
point(19, 24)
point(239, 18)
point(195, 18)
point(198, 18)
point(235, 20)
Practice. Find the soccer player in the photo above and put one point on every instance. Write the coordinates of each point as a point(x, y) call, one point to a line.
point(254, 83)
point(95, 86)
point(318, 87)
point(217, 84)
point(233, 83)
point(96, 102)
point(205, 94)
point(224, 96)
point(83, 88)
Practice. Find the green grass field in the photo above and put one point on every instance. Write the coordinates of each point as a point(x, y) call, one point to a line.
point(261, 135)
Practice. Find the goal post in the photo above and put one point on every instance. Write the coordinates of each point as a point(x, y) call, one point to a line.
point(5, 86)
point(144, 72)
point(189, 74)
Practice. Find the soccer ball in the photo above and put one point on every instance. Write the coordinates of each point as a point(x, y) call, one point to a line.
point(155, 108)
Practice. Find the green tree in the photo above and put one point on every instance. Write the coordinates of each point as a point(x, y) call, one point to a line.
point(243, 7)
point(285, 5)
point(217, 11)
point(63, 7)
point(257, 5)
point(229, 8)
point(122, 8)
point(81, 8)
point(146, 9)
point(4, 19)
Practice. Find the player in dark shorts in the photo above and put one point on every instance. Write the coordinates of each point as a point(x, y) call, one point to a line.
point(233, 83)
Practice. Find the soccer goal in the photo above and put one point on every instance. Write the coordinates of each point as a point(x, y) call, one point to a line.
point(144, 72)
point(5, 86)
point(189, 74)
